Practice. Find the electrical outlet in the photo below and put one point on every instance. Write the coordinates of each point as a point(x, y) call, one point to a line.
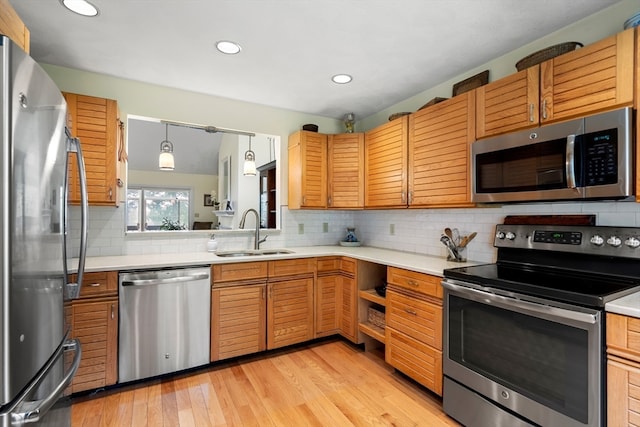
point(392, 229)
point(196, 215)
point(300, 228)
point(325, 227)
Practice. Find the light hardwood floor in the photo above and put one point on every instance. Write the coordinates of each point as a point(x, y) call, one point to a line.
point(330, 383)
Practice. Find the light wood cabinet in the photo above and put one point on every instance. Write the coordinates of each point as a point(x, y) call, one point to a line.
point(345, 153)
point(307, 170)
point(623, 370)
point(12, 26)
point(440, 138)
point(594, 78)
point(413, 333)
point(95, 323)
point(336, 297)
point(238, 309)
point(238, 320)
point(386, 165)
point(93, 319)
point(96, 122)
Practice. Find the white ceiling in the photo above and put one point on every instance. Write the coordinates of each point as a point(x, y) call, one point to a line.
point(291, 48)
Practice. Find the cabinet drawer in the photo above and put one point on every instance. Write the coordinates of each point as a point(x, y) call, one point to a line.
point(348, 265)
point(239, 271)
point(418, 282)
point(418, 319)
point(101, 283)
point(623, 336)
point(414, 358)
point(328, 264)
point(292, 267)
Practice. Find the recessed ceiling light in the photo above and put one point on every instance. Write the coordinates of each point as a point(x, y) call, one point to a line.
point(227, 47)
point(341, 78)
point(81, 7)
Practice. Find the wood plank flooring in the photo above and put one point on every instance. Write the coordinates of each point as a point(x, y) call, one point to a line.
point(330, 383)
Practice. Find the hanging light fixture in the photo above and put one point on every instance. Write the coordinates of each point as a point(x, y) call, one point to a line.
point(165, 161)
point(249, 161)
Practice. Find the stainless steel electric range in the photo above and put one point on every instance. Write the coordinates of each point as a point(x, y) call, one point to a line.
point(524, 337)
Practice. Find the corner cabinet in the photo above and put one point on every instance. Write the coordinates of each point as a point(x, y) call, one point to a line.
point(386, 165)
point(440, 138)
point(307, 170)
point(345, 153)
point(94, 321)
point(96, 122)
point(414, 326)
point(594, 78)
point(336, 286)
point(623, 370)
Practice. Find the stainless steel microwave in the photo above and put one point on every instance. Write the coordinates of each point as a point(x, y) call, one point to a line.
point(586, 158)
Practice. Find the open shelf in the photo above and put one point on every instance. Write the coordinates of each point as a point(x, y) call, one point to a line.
point(372, 330)
point(372, 295)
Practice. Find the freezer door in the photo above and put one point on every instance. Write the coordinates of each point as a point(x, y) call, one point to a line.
point(32, 171)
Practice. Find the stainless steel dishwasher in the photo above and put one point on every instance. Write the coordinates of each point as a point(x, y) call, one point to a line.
point(165, 321)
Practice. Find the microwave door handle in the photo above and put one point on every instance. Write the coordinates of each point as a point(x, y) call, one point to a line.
point(570, 161)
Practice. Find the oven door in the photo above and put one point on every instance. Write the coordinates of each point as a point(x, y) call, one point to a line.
point(538, 361)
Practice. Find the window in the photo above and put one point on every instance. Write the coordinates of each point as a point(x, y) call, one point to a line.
point(164, 208)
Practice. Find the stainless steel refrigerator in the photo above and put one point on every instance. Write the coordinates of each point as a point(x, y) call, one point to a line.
point(37, 357)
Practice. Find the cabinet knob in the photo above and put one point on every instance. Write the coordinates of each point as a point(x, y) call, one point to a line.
point(544, 109)
point(412, 283)
point(410, 311)
point(113, 311)
point(531, 110)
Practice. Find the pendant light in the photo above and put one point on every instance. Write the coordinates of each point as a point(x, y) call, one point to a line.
point(165, 161)
point(249, 161)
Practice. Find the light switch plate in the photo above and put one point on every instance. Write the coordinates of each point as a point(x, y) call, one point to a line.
point(325, 227)
point(301, 228)
point(392, 229)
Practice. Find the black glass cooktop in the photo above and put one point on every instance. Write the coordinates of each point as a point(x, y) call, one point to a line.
point(587, 289)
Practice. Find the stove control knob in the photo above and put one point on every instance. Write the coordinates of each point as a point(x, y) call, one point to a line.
point(500, 235)
point(614, 241)
point(632, 242)
point(597, 240)
point(510, 236)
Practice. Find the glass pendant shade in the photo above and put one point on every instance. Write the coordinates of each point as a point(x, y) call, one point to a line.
point(249, 161)
point(166, 161)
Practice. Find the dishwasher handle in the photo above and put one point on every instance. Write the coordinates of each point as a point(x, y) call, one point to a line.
point(169, 280)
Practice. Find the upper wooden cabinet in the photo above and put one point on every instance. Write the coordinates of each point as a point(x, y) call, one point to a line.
point(439, 141)
point(96, 122)
point(386, 165)
point(345, 162)
point(591, 79)
point(307, 170)
point(12, 26)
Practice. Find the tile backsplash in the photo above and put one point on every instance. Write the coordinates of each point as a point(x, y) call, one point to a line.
point(410, 230)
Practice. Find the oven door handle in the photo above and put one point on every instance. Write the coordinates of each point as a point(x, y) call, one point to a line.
point(539, 310)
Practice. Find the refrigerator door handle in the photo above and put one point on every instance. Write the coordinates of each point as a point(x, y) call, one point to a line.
point(40, 407)
point(73, 146)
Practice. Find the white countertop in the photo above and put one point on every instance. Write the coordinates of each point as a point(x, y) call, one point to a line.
point(629, 305)
point(411, 261)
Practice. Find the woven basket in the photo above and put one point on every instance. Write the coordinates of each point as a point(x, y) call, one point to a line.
point(376, 317)
point(545, 54)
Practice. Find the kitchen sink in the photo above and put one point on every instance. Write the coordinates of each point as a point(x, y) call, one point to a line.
point(259, 252)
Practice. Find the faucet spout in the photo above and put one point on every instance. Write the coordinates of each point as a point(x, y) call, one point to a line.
point(256, 237)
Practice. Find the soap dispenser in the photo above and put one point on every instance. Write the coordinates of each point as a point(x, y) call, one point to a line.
point(212, 244)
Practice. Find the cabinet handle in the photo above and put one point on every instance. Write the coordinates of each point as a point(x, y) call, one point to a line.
point(410, 197)
point(403, 195)
point(94, 285)
point(113, 316)
point(304, 200)
point(412, 283)
point(410, 311)
point(110, 193)
point(329, 201)
point(263, 293)
point(544, 109)
point(531, 108)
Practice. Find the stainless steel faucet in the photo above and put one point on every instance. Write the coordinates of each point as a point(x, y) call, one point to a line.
point(256, 238)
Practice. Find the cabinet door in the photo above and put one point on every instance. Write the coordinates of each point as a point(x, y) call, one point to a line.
point(327, 304)
point(386, 164)
point(95, 324)
point(440, 137)
point(415, 317)
point(594, 78)
point(290, 312)
point(95, 122)
point(508, 104)
point(346, 171)
point(347, 307)
point(623, 393)
point(307, 170)
point(238, 316)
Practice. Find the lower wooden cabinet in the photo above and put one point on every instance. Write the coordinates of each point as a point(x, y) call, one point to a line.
point(623, 370)
point(348, 307)
point(327, 288)
point(290, 312)
point(336, 297)
point(95, 324)
point(238, 321)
